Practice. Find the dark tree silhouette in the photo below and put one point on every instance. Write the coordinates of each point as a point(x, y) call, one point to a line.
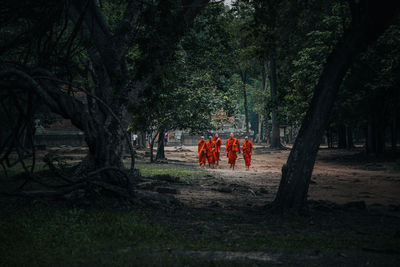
point(369, 20)
point(80, 30)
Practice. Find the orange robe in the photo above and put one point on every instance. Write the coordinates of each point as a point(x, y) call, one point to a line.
point(211, 152)
point(202, 149)
point(247, 151)
point(218, 144)
point(230, 144)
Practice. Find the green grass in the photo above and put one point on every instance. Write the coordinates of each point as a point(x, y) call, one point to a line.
point(146, 169)
point(46, 235)
point(174, 170)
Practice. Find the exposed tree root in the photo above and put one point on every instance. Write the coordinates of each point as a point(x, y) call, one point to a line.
point(93, 185)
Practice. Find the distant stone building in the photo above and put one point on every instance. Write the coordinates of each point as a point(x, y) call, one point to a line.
point(61, 131)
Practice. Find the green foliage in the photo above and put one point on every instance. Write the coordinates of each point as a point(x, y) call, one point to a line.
point(194, 83)
point(306, 66)
point(372, 84)
point(207, 46)
point(113, 11)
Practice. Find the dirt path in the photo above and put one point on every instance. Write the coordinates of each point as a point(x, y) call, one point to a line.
point(339, 176)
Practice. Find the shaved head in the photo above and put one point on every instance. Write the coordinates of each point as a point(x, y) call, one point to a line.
point(231, 135)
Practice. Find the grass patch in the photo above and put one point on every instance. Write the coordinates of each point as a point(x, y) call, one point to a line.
point(52, 235)
point(48, 236)
point(174, 170)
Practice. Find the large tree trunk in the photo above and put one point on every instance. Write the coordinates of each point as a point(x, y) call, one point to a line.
point(160, 146)
point(246, 107)
point(260, 121)
point(267, 131)
point(370, 19)
point(395, 122)
point(394, 133)
point(105, 148)
point(264, 121)
point(275, 138)
point(115, 85)
point(349, 140)
point(151, 141)
point(375, 141)
point(99, 109)
point(370, 140)
point(342, 137)
point(329, 138)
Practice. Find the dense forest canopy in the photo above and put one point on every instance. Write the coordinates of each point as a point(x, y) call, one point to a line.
point(153, 66)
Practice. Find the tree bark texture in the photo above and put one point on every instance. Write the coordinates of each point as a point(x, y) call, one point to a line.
point(152, 140)
point(264, 121)
point(260, 121)
point(246, 107)
point(160, 146)
point(275, 138)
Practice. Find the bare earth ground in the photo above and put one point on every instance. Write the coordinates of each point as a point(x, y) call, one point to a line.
point(223, 220)
point(339, 176)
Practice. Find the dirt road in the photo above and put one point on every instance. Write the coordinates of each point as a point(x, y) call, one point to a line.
point(340, 176)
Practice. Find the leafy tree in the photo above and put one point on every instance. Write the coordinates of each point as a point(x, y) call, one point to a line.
point(112, 58)
point(194, 85)
point(369, 20)
point(304, 68)
point(372, 84)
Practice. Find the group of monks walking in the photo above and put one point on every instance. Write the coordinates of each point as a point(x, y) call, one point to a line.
point(211, 151)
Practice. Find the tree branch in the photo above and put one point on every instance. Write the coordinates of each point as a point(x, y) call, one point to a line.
point(126, 32)
point(95, 30)
point(60, 103)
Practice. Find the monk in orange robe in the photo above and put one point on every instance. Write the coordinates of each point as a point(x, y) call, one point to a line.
point(247, 151)
point(218, 143)
point(211, 152)
point(202, 150)
point(232, 147)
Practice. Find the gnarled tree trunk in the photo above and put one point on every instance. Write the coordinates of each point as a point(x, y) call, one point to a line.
point(105, 146)
point(105, 128)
